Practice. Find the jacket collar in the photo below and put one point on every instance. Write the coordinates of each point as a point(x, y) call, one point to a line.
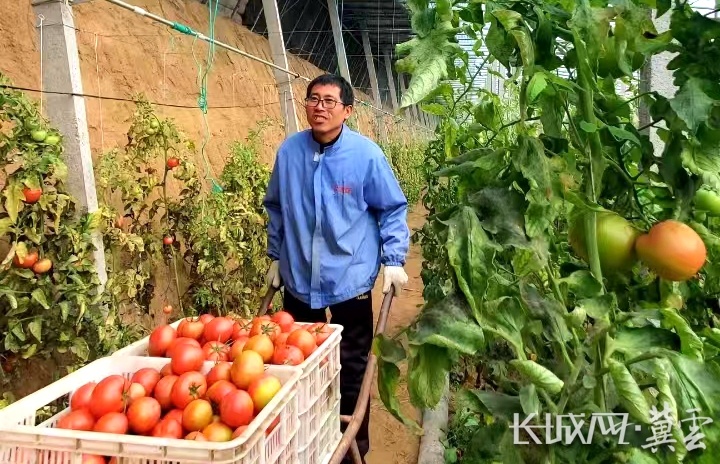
point(333, 144)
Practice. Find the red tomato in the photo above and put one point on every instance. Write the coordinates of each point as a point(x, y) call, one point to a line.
point(32, 195)
point(284, 319)
point(241, 328)
point(187, 358)
point(168, 240)
point(220, 329)
point(272, 425)
point(189, 386)
point(112, 422)
point(134, 392)
point(81, 398)
point(236, 408)
point(281, 339)
point(269, 328)
point(205, 318)
point(216, 351)
point(197, 415)
point(673, 250)
point(175, 414)
point(191, 328)
point(263, 390)
point(217, 432)
point(181, 341)
point(237, 347)
point(93, 459)
point(160, 340)
point(221, 371)
point(288, 355)
point(143, 414)
point(303, 340)
point(163, 391)
point(218, 390)
point(262, 345)
point(166, 370)
point(168, 428)
point(108, 396)
point(173, 163)
point(246, 368)
point(80, 419)
point(196, 436)
point(238, 431)
point(321, 331)
point(148, 378)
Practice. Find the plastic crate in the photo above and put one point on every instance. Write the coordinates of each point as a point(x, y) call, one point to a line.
point(320, 415)
point(321, 446)
point(318, 370)
point(24, 442)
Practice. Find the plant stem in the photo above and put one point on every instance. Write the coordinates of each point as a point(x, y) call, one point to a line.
point(577, 367)
point(505, 126)
point(167, 224)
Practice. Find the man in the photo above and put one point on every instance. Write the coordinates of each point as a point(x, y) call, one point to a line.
point(336, 213)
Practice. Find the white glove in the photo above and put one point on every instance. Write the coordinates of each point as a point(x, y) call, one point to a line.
point(394, 276)
point(273, 275)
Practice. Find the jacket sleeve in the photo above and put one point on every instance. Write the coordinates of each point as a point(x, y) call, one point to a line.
point(384, 195)
point(275, 232)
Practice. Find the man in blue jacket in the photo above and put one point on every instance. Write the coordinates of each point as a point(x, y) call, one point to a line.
point(336, 214)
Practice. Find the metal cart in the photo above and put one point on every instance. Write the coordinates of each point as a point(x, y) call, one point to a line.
point(348, 442)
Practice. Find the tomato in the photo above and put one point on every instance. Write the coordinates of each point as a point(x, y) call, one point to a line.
point(108, 396)
point(148, 378)
point(218, 390)
point(163, 391)
point(168, 428)
point(272, 425)
point(187, 358)
point(262, 344)
point(236, 408)
point(38, 135)
point(216, 351)
point(615, 240)
point(181, 341)
point(168, 240)
point(93, 459)
point(167, 309)
point(217, 432)
point(241, 329)
point(303, 340)
point(42, 266)
point(81, 397)
point(288, 355)
point(237, 347)
point(220, 371)
point(269, 328)
point(263, 390)
point(672, 250)
point(196, 436)
point(173, 163)
point(32, 195)
point(246, 368)
point(284, 319)
point(239, 431)
point(191, 328)
point(134, 391)
point(321, 331)
point(143, 414)
point(166, 370)
point(197, 415)
point(189, 386)
point(707, 201)
point(112, 422)
point(281, 339)
point(175, 414)
point(219, 329)
point(27, 262)
point(160, 340)
point(80, 419)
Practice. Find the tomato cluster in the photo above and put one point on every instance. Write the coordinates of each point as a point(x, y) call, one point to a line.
point(278, 339)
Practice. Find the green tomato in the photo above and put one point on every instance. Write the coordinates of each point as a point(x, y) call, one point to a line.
point(707, 201)
point(38, 135)
point(52, 139)
point(615, 237)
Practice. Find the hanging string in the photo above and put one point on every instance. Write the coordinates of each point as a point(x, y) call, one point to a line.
point(42, 59)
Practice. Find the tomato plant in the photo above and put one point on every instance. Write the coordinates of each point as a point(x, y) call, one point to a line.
point(525, 299)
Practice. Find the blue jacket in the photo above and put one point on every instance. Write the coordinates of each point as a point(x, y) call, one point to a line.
point(335, 215)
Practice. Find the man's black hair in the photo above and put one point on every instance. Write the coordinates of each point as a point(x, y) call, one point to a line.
point(347, 96)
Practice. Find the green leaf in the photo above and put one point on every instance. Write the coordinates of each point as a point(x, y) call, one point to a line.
point(622, 134)
point(38, 295)
point(505, 318)
point(582, 284)
point(448, 323)
point(694, 384)
point(80, 349)
point(13, 194)
point(5, 225)
point(529, 400)
point(599, 307)
point(629, 392)
point(427, 373)
point(536, 86)
point(435, 108)
point(525, 44)
point(35, 328)
point(634, 341)
point(551, 312)
point(692, 104)
point(691, 343)
point(498, 404)
point(538, 375)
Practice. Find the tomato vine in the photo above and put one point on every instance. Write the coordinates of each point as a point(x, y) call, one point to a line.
point(524, 269)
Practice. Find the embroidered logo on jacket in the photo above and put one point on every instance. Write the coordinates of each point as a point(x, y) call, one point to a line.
point(342, 189)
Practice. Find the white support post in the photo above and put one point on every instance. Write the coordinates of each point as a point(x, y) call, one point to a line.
point(279, 56)
point(391, 82)
point(382, 135)
point(66, 110)
point(338, 39)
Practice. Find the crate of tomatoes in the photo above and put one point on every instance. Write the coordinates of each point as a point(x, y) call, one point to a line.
point(279, 340)
point(127, 410)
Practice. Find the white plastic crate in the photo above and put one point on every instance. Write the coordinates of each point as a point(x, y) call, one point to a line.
point(317, 370)
point(320, 447)
point(22, 442)
point(316, 417)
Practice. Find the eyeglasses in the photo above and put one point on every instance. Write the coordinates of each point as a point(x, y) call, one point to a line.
point(327, 102)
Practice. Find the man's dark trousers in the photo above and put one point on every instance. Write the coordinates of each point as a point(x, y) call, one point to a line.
point(356, 318)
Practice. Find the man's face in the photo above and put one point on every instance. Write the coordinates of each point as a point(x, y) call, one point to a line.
point(327, 114)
